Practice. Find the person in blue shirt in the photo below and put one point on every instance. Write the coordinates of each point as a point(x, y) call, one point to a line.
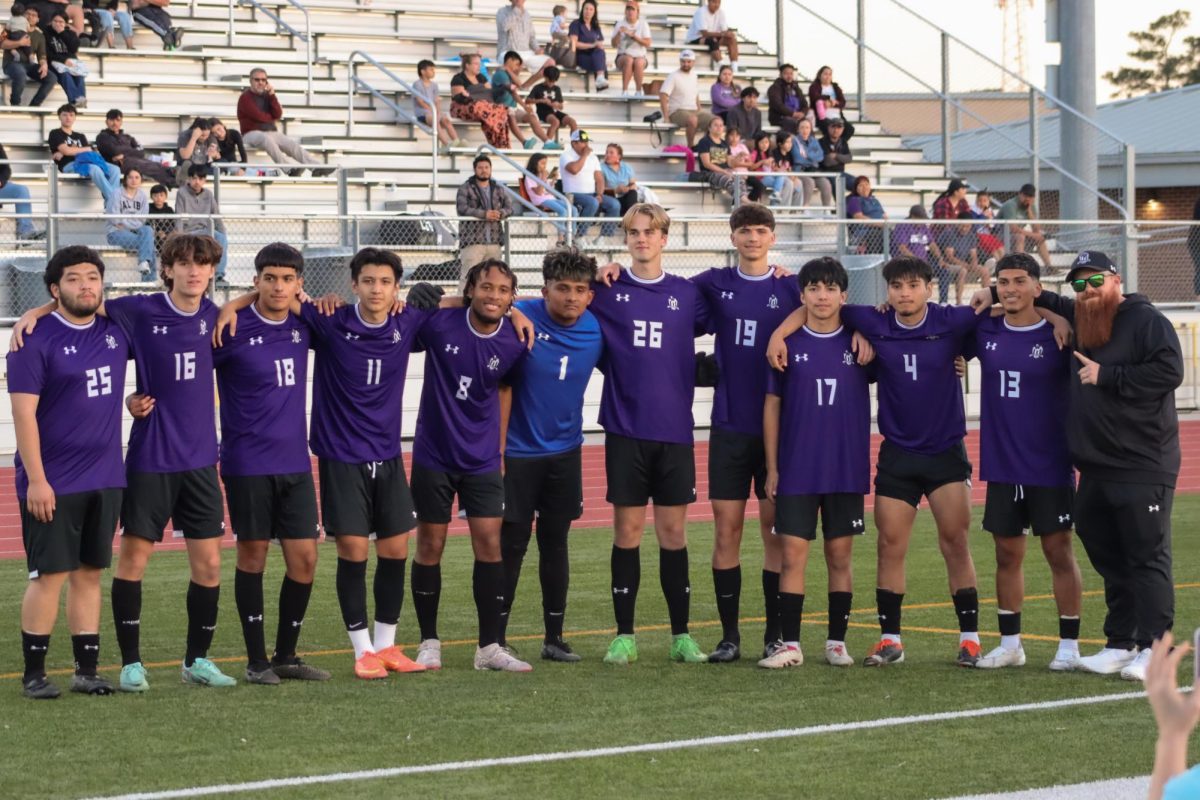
point(542, 436)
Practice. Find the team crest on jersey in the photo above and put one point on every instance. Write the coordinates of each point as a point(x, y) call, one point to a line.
point(295, 336)
point(726, 295)
point(672, 303)
point(395, 337)
point(203, 327)
point(494, 363)
point(111, 341)
point(989, 346)
point(1037, 351)
point(773, 302)
point(848, 358)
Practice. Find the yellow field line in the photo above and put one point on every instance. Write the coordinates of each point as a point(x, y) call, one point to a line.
point(991, 601)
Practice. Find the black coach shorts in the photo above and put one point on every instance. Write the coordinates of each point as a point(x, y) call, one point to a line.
point(191, 499)
point(908, 476)
point(478, 495)
point(735, 461)
point(551, 486)
point(1014, 508)
point(639, 470)
point(842, 514)
point(365, 499)
point(79, 534)
point(264, 507)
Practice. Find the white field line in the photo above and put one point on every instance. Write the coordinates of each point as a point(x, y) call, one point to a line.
point(1116, 789)
point(608, 752)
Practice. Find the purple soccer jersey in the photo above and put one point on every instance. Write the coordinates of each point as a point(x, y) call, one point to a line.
point(824, 416)
point(173, 353)
point(1022, 438)
point(920, 395)
point(743, 313)
point(649, 361)
point(262, 376)
point(78, 374)
point(358, 388)
point(458, 425)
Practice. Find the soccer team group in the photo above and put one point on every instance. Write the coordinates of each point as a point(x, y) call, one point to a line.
point(504, 385)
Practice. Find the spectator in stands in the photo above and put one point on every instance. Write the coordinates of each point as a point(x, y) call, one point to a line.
point(195, 198)
point(807, 156)
point(119, 148)
point(471, 101)
point(679, 98)
point(258, 110)
point(548, 102)
point(914, 239)
point(25, 57)
point(506, 89)
point(786, 104)
point(960, 254)
point(1023, 207)
point(783, 156)
point(746, 116)
point(990, 245)
point(487, 203)
point(715, 164)
point(128, 226)
point(74, 156)
point(725, 94)
point(62, 47)
point(48, 8)
point(836, 150)
point(514, 31)
point(560, 39)
point(710, 28)
point(426, 105)
point(631, 39)
point(827, 101)
point(764, 166)
point(14, 191)
point(587, 40)
point(583, 183)
point(539, 193)
point(619, 181)
point(195, 147)
point(952, 202)
point(153, 14)
point(742, 164)
point(229, 143)
point(865, 237)
point(160, 207)
point(112, 17)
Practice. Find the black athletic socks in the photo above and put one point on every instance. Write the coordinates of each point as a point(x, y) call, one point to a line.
point(626, 575)
point(248, 596)
point(791, 610)
point(888, 605)
point(554, 572)
point(127, 617)
point(1009, 623)
point(202, 620)
point(389, 589)
point(966, 606)
point(728, 586)
point(673, 577)
point(34, 647)
point(487, 584)
point(839, 615)
point(514, 541)
point(1068, 627)
point(427, 594)
point(86, 647)
point(351, 584)
point(770, 586)
point(293, 603)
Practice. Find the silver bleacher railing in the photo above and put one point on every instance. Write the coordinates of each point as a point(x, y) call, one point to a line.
point(280, 24)
point(355, 83)
point(568, 232)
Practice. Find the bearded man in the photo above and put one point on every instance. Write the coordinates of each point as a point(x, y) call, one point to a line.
point(1123, 434)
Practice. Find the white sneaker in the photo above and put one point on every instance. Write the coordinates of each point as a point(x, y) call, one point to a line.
point(1002, 657)
point(429, 654)
point(601, 84)
point(1107, 661)
point(836, 655)
point(784, 657)
point(1065, 660)
point(1136, 671)
point(496, 657)
point(144, 267)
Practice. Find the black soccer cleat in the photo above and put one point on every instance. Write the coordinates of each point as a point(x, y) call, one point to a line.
point(91, 684)
point(558, 650)
point(265, 676)
point(726, 653)
point(296, 670)
point(39, 687)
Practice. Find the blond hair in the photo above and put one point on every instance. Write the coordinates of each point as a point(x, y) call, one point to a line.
point(659, 219)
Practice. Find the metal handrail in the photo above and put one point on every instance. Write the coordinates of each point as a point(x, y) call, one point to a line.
point(354, 83)
point(487, 148)
point(306, 36)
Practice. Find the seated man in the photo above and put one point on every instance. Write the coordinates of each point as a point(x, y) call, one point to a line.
point(1027, 236)
point(153, 14)
point(960, 256)
point(258, 110)
point(70, 150)
point(25, 57)
point(119, 148)
point(195, 198)
point(710, 28)
point(583, 182)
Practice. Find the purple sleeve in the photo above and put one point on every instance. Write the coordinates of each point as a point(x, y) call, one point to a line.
point(775, 381)
point(124, 310)
point(26, 370)
point(963, 319)
point(853, 206)
point(319, 324)
point(865, 319)
point(704, 319)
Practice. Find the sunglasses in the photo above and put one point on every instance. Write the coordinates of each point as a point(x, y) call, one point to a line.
point(1095, 281)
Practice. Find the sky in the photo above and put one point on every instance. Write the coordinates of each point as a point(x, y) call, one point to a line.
point(812, 42)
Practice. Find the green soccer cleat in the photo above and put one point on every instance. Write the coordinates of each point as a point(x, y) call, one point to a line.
point(203, 672)
point(133, 678)
point(685, 649)
point(623, 650)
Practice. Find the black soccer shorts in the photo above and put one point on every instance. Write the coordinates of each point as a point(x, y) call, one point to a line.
point(191, 499)
point(478, 495)
point(735, 462)
point(551, 486)
point(1013, 509)
point(79, 534)
point(639, 470)
point(842, 514)
point(264, 507)
point(365, 499)
point(907, 476)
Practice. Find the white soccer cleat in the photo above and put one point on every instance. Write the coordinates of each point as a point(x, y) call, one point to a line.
point(1002, 657)
point(1107, 661)
point(1065, 660)
point(784, 657)
point(497, 658)
point(1136, 671)
point(429, 654)
point(836, 655)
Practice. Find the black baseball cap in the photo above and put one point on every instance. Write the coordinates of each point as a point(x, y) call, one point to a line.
point(1092, 260)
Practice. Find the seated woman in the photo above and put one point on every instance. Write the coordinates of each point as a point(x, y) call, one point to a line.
point(618, 178)
point(229, 143)
point(587, 39)
point(538, 194)
point(827, 101)
point(725, 94)
point(861, 204)
point(471, 101)
point(62, 49)
point(631, 38)
point(127, 224)
point(763, 165)
point(807, 155)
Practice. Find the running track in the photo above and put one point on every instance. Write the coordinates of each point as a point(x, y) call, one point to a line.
point(597, 513)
